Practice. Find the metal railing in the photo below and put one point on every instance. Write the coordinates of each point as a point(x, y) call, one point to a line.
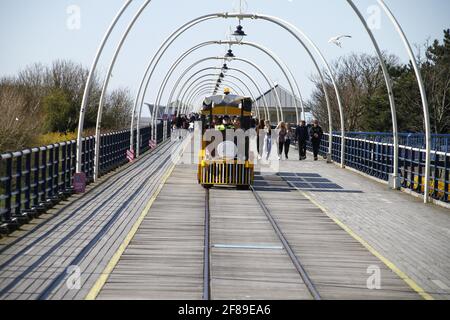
point(34, 180)
point(376, 159)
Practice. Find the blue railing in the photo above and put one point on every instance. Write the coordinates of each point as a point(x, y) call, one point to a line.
point(439, 142)
point(376, 158)
point(34, 180)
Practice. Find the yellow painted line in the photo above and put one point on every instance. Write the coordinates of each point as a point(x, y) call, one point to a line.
point(411, 283)
point(97, 287)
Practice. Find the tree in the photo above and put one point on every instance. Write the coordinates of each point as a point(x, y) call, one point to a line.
point(58, 112)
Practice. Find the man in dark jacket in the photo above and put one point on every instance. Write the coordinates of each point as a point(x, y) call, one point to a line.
point(316, 133)
point(302, 135)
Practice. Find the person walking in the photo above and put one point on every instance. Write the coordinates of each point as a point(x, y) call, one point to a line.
point(282, 133)
point(259, 132)
point(316, 137)
point(289, 138)
point(268, 138)
point(302, 135)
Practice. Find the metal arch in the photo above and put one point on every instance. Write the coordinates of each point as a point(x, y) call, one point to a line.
point(225, 82)
point(388, 81)
point(227, 76)
point(295, 31)
point(232, 87)
point(195, 21)
point(423, 94)
point(156, 58)
point(230, 69)
point(197, 95)
point(218, 58)
point(105, 88)
point(209, 81)
point(285, 70)
point(88, 85)
point(184, 73)
point(280, 117)
point(216, 68)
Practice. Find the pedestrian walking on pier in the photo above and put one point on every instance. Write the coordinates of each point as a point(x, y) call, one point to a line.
point(316, 137)
point(302, 135)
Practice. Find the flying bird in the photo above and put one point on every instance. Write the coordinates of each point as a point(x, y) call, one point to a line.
point(337, 40)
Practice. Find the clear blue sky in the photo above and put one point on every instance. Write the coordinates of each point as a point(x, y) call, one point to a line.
point(36, 31)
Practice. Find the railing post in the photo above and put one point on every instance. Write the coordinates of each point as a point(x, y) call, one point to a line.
point(27, 179)
point(7, 184)
point(18, 197)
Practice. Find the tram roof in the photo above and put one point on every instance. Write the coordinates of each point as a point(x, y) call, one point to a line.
point(224, 100)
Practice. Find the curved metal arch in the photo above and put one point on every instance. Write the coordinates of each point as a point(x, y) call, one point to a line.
point(423, 94)
point(212, 81)
point(283, 67)
point(295, 31)
point(105, 87)
point(230, 69)
point(198, 46)
point(89, 80)
point(271, 84)
point(204, 69)
point(224, 81)
point(195, 21)
point(388, 82)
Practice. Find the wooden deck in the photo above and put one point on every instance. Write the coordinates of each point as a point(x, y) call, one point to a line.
point(248, 261)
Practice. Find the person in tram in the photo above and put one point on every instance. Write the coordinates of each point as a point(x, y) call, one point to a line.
point(237, 123)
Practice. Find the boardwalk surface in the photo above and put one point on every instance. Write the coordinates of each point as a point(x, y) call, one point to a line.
point(80, 238)
point(412, 235)
point(164, 259)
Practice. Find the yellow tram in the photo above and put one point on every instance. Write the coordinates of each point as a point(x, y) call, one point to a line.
point(225, 164)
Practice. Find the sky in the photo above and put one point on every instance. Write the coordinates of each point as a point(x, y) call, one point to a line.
point(45, 30)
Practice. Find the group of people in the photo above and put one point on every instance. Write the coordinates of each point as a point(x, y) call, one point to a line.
point(286, 136)
point(226, 122)
point(185, 122)
point(302, 134)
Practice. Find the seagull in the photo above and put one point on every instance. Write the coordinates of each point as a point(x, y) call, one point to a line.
point(337, 40)
point(17, 119)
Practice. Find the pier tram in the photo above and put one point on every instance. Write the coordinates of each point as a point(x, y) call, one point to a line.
point(227, 162)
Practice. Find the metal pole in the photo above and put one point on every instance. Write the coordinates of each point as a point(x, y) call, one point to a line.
point(105, 88)
point(423, 95)
point(88, 86)
point(388, 80)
